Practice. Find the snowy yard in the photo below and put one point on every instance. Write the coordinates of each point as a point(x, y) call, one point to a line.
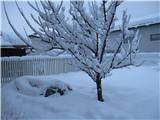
point(129, 93)
point(98, 42)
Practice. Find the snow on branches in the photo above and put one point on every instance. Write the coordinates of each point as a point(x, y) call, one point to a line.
point(85, 37)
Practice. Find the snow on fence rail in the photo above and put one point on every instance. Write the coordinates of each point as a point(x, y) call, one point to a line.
point(13, 67)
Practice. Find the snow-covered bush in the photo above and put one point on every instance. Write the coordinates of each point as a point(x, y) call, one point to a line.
point(35, 87)
point(85, 37)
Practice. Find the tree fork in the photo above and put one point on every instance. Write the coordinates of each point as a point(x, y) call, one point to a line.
point(99, 88)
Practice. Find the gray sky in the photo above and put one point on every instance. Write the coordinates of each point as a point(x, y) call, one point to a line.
point(135, 8)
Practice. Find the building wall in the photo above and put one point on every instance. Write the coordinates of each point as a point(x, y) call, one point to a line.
point(12, 52)
point(146, 45)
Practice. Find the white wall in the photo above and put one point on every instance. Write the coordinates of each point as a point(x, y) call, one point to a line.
point(145, 44)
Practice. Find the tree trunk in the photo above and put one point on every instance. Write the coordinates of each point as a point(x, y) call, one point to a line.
point(99, 88)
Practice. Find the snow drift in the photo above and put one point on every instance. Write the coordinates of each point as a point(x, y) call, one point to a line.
point(35, 87)
point(130, 93)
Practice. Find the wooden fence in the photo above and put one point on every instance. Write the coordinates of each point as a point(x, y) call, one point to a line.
point(13, 67)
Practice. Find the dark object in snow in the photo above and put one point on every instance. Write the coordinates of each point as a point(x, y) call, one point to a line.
point(13, 51)
point(52, 90)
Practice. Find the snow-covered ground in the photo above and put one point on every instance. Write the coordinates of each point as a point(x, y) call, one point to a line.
point(129, 93)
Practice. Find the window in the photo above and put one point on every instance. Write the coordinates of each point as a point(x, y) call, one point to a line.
point(154, 37)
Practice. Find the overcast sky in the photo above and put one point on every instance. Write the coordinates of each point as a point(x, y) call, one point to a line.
point(135, 8)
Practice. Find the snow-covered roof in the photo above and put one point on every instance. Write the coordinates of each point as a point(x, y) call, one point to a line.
point(8, 39)
point(138, 22)
point(5, 43)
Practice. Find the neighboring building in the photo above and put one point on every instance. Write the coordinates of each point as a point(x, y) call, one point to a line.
point(11, 46)
point(43, 45)
point(37, 43)
point(16, 50)
point(149, 29)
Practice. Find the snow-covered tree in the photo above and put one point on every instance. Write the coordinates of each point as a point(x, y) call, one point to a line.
point(85, 36)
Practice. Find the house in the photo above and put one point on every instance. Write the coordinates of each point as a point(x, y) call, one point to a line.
point(37, 43)
point(149, 29)
point(43, 45)
point(11, 46)
point(15, 50)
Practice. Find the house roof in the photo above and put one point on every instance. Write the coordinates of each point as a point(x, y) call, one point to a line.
point(8, 39)
point(139, 22)
point(33, 36)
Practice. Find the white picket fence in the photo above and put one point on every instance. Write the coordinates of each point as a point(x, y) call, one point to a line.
point(13, 67)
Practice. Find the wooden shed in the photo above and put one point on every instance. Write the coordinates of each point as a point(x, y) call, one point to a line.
point(15, 50)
